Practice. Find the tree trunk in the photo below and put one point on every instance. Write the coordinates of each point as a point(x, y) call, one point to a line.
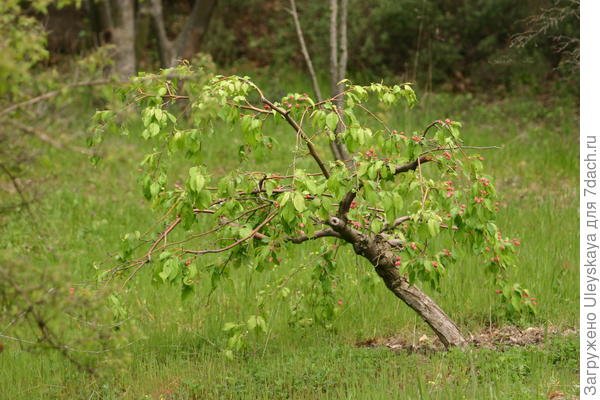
point(338, 59)
point(423, 305)
point(143, 27)
point(382, 255)
point(123, 37)
point(166, 51)
point(188, 41)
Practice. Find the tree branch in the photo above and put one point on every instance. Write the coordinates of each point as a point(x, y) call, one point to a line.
point(318, 234)
point(236, 243)
point(286, 115)
point(344, 206)
point(55, 93)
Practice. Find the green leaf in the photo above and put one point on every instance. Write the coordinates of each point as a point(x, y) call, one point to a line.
point(299, 202)
point(256, 322)
point(197, 180)
point(229, 326)
point(153, 129)
point(154, 189)
point(331, 121)
point(434, 227)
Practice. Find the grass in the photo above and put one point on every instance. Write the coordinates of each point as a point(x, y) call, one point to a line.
point(176, 347)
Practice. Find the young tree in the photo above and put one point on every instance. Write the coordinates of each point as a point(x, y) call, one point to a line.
point(408, 204)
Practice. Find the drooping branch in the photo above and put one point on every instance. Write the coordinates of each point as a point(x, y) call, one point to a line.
point(162, 236)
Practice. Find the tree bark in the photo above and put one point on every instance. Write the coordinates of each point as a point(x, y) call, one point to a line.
point(166, 50)
point(338, 59)
point(187, 43)
point(123, 36)
point(415, 298)
point(382, 255)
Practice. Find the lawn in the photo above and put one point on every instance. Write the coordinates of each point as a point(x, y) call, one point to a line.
point(175, 350)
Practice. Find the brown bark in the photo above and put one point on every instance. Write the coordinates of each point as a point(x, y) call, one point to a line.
point(381, 254)
point(422, 304)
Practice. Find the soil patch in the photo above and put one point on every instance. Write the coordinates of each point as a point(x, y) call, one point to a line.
point(495, 338)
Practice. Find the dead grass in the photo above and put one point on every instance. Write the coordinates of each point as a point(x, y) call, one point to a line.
point(493, 338)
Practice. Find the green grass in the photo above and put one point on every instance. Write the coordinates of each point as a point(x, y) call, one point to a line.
point(176, 350)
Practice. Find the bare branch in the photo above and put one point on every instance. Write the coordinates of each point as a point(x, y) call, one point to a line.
point(413, 165)
point(44, 137)
point(313, 76)
point(54, 93)
point(162, 236)
point(316, 235)
point(311, 148)
point(397, 222)
point(236, 243)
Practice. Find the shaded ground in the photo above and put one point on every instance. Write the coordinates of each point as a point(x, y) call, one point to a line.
point(494, 338)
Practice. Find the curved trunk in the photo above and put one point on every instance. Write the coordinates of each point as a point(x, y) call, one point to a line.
point(381, 253)
point(423, 305)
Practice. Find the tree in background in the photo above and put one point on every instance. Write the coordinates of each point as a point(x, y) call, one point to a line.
point(555, 29)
